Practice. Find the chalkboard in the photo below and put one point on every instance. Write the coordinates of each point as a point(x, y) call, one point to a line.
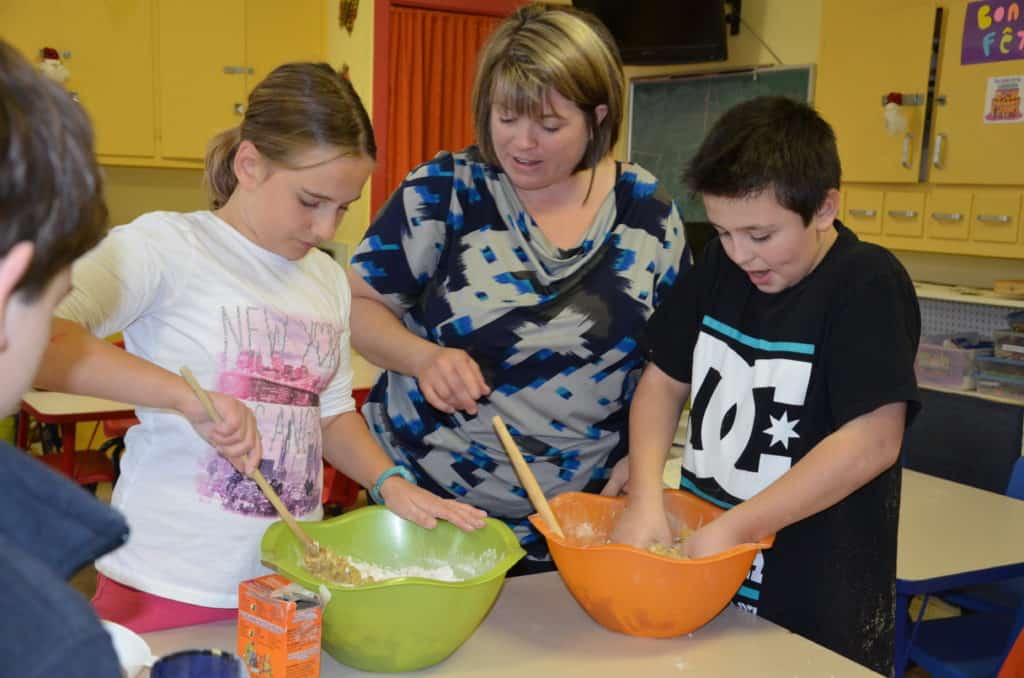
point(669, 117)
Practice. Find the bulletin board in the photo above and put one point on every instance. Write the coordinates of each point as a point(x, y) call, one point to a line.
point(669, 117)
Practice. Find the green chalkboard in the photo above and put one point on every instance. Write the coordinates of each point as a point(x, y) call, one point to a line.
point(669, 117)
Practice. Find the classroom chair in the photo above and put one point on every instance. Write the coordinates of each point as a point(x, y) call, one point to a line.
point(974, 645)
point(1002, 595)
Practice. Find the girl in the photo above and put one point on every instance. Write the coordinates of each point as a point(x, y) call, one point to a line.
point(241, 296)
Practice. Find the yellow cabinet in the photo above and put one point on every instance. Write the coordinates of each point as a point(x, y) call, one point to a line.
point(967, 150)
point(947, 216)
point(996, 218)
point(903, 215)
point(108, 52)
point(870, 48)
point(203, 90)
point(862, 210)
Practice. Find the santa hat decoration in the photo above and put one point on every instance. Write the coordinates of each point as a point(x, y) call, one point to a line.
point(51, 66)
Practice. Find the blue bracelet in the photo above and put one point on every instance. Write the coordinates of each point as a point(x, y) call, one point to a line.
point(394, 470)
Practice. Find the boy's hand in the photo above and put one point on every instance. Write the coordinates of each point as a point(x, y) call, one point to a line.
point(642, 524)
point(713, 538)
point(236, 437)
point(451, 380)
point(424, 508)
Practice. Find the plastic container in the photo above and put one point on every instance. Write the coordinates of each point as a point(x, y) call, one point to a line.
point(638, 592)
point(199, 664)
point(1009, 345)
point(407, 623)
point(1010, 388)
point(946, 366)
point(133, 652)
point(990, 366)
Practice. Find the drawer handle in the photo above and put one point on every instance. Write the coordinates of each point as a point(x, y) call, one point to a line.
point(937, 155)
point(862, 213)
point(994, 218)
point(903, 214)
point(238, 70)
point(947, 216)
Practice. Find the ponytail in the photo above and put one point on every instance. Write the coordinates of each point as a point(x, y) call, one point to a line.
point(219, 179)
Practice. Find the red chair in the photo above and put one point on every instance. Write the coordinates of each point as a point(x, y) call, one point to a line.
point(339, 489)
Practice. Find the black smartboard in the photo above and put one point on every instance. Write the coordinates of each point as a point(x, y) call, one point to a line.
point(669, 117)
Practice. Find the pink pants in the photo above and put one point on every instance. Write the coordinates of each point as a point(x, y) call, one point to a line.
point(144, 612)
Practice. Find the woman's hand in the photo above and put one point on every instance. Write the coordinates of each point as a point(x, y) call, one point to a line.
point(451, 380)
point(236, 437)
point(643, 524)
point(424, 508)
point(618, 481)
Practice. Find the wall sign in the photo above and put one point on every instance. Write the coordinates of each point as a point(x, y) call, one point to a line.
point(1002, 99)
point(993, 31)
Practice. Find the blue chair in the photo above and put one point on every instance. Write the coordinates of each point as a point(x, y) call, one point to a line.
point(1002, 595)
point(973, 645)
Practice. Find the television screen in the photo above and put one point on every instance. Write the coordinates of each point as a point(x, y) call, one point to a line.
point(663, 31)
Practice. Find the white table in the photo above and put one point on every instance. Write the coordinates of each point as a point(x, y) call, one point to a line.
point(537, 629)
point(950, 536)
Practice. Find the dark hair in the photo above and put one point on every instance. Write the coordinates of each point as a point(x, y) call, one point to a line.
point(769, 142)
point(51, 190)
point(296, 107)
point(543, 47)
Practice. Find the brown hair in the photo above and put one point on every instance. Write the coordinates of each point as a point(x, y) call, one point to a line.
point(51, 190)
point(543, 47)
point(296, 107)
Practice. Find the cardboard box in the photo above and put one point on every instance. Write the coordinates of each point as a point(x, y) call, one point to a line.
point(279, 628)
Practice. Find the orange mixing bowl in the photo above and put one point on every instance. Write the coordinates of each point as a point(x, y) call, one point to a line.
point(634, 591)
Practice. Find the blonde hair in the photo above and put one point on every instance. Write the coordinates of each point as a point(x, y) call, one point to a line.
point(296, 107)
point(543, 47)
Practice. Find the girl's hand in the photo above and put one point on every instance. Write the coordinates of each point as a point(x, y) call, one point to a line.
point(236, 437)
point(451, 380)
point(643, 524)
point(424, 508)
point(713, 538)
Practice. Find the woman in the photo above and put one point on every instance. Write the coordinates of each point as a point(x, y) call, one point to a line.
point(515, 279)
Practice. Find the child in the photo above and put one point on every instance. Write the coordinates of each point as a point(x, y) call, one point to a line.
point(798, 341)
point(51, 211)
point(241, 296)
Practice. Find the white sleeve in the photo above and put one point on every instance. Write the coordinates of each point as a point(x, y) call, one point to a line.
point(128, 274)
point(337, 397)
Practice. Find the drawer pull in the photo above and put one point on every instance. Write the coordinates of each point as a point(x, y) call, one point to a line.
point(862, 213)
point(937, 155)
point(947, 216)
point(903, 214)
point(994, 218)
point(238, 70)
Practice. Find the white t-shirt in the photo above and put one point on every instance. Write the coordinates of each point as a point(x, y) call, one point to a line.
point(190, 290)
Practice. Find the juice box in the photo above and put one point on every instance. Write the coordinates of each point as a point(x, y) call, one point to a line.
point(279, 628)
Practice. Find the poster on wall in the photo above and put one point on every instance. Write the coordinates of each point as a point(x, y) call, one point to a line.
point(1002, 100)
point(993, 31)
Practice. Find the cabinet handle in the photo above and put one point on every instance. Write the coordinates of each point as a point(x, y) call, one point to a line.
point(994, 218)
point(905, 158)
point(947, 216)
point(238, 70)
point(862, 213)
point(903, 214)
point(937, 155)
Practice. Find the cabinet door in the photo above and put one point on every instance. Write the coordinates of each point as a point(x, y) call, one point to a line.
point(201, 73)
point(996, 217)
point(112, 71)
point(969, 151)
point(947, 216)
point(863, 211)
point(276, 33)
point(903, 214)
point(868, 49)
point(107, 48)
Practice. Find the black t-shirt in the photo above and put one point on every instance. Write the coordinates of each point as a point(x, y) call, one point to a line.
point(771, 375)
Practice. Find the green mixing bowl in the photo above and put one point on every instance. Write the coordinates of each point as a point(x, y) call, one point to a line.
point(407, 623)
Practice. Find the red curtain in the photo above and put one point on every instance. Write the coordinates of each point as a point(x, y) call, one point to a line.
point(431, 64)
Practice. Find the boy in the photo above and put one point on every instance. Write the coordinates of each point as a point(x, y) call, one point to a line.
point(51, 211)
point(796, 343)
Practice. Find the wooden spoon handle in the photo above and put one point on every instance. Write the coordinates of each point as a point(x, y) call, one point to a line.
point(256, 475)
point(526, 477)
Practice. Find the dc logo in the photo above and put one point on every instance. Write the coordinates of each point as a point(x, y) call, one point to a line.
point(732, 401)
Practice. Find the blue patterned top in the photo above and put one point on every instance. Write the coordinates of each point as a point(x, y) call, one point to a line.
point(557, 333)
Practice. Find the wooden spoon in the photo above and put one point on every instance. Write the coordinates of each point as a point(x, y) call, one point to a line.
point(526, 477)
point(339, 565)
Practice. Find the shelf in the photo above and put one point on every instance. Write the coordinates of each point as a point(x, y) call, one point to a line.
point(965, 295)
point(972, 394)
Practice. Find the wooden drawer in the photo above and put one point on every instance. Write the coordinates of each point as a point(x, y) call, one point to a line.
point(948, 215)
point(862, 210)
point(995, 217)
point(904, 214)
